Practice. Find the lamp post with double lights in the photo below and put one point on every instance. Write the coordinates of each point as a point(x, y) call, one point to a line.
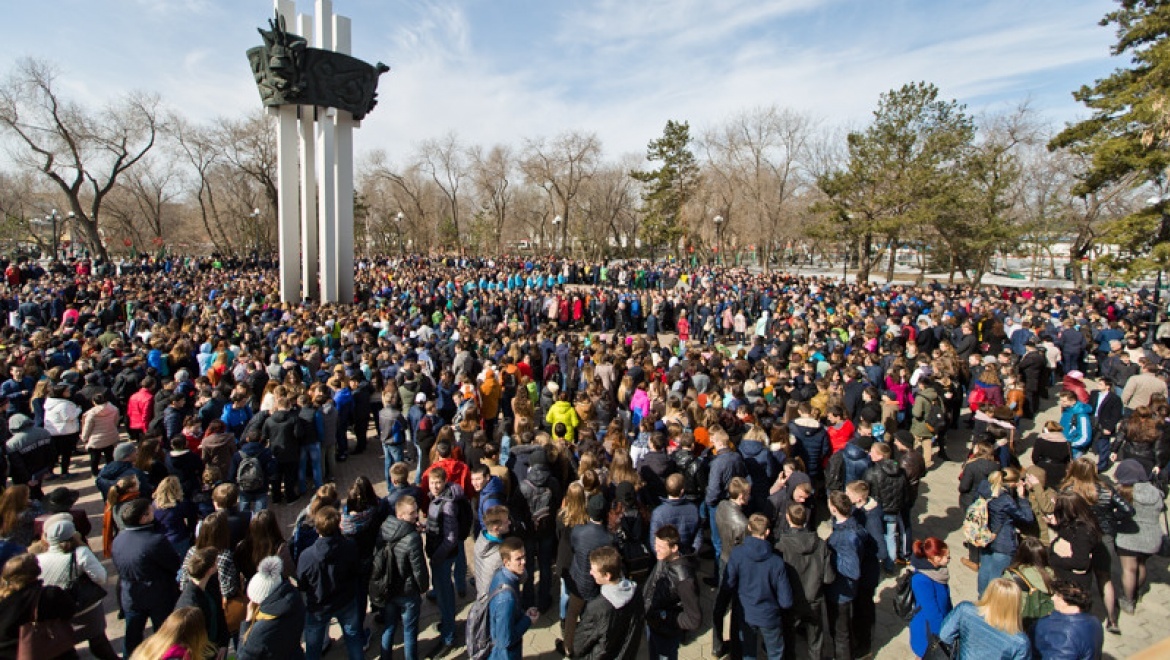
point(558, 244)
point(398, 218)
point(718, 220)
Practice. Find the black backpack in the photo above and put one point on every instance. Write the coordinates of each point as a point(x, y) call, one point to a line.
point(250, 475)
point(386, 579)
point(465, 515)
point(540, 505)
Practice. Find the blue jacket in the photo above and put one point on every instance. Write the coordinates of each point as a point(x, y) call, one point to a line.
point(508, 621)
point(934, 603)
point(812, 446)
point(978, 640)
point(236, 419)
point(758, 576)
point(147, 565)
point(761, 467)
point(1076, 422)
point(857, 461)
point(328, 573)
point(492, 495)
point(115, 470)
point(1003, 513)
point(845, 544)
point(722, 468)
point(871, 521)
point(1068, 637)
point(685, 517)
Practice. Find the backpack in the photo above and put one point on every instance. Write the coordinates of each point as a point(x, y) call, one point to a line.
point(386, 581)
point(936, 419)
point(509, 381)
point(539, 500)
point(478, 634)
point(397, 431)
point(905, 604)
point(976, 530)
point(1037, 603)
point(250, 475)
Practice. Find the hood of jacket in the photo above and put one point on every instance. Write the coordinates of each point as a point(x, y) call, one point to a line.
point(1079, 408)
point(756, 550)
point(394, 530)
point(805, 429)
point(282, 416)
point(539, 474)
point(799, 541)
point(19, 422)
point(560, 408)
point(495, 486)
point(929, 394)
point(619, 594)
point(854, 453)
point(889, 467)
point(217, 440)
point(1146, 494)
point(752, 448)
point(284, 600)
point(115, 470)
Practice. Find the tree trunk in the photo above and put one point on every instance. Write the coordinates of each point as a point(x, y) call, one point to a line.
point(890, 264)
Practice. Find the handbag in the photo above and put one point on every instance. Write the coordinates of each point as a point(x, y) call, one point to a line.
point(44, 639)
point(936, 649)
point(236, 608)
point(86, 593)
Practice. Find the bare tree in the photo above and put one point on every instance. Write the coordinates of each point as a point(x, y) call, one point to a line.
point(143, 203)
point(82, 153)
point(609, 201)
point(445, 161)
point(493, 173)
point(559, 166)
point(760, 155)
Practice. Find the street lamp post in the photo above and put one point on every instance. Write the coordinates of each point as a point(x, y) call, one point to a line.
point(558, 243)
point(718, 220)
point(72, 220)
point(398, 218)
point(53, 217)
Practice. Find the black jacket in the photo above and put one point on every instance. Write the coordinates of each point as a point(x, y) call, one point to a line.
point(888, 485)
point(1107, 412)
point(147, 566)
point(809, 565)
point(328, 573)
point(672, 598)
point(655, 467)
point(276, 632)
point(585, 539)
point(210, 602)
point(408, 555)
point(610, 627)
point(285, 432)
point(16, 610)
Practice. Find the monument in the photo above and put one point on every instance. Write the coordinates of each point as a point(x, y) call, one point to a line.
point(318, 94)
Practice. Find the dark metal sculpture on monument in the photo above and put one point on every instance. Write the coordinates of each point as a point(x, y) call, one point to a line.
point(289, 72)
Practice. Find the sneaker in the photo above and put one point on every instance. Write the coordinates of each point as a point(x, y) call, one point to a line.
point(1112, 628)
point(560, 646)
point(328, 645)
point(1127, 605)
point(431, 596)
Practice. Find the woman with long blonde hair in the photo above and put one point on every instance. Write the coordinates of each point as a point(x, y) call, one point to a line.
point(991, 627)
point(183, 636)
point(571, 515)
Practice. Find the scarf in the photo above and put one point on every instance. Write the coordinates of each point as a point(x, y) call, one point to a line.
point(108, 525)
point(939, 575)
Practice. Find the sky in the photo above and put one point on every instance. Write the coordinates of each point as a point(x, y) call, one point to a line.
point(502, 71)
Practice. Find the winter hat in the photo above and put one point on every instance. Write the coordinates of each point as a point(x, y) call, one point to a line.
point(267, 579)
point(59, 528)
point(124, 451)
point(1076, 374)
point(421, 397)
point(553, 387)
point(1130, 472)
point(597, 508)
point(61, 499)
point(538, 457)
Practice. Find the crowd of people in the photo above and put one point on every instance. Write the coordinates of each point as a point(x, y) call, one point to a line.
point(606, 441)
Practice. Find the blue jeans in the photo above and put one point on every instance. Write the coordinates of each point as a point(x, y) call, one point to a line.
point(661, 647)
point(254, 502)
point(564, 598)
point(310, 459)
point(891, 523)
point(445, 597)
point(461, 568)
point(906, 546)
point(991, 566)
point(406, 607)
point(391, 454)
point(317, 626)
point(715, 540)
point(773, 637)
point(1101, 444)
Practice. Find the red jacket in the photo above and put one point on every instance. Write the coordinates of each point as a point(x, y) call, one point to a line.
point(839, 436)
point(457, 473)
point(140, 409)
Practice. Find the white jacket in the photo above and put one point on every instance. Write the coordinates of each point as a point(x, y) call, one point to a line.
point(62, 417)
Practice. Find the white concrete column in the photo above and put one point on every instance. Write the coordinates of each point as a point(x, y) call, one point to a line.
point(288, 221)
point(343, 181)
point(309, 229)
point(326, 165)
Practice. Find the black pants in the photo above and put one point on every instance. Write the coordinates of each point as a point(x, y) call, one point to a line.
point(841, 623)
point(63, 446)
point(811, 619)
point(864, 615)
point(99, 457)
point(725, 601)
point(286, 476)
point(572, 616)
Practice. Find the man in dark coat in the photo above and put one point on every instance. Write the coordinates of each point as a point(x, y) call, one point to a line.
point(147, 565)
point(611, 625)
point(758, 577)
point(585, 539)
point(810, 569)
point(328, 573)
point(671, 597)
point(284, 432)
